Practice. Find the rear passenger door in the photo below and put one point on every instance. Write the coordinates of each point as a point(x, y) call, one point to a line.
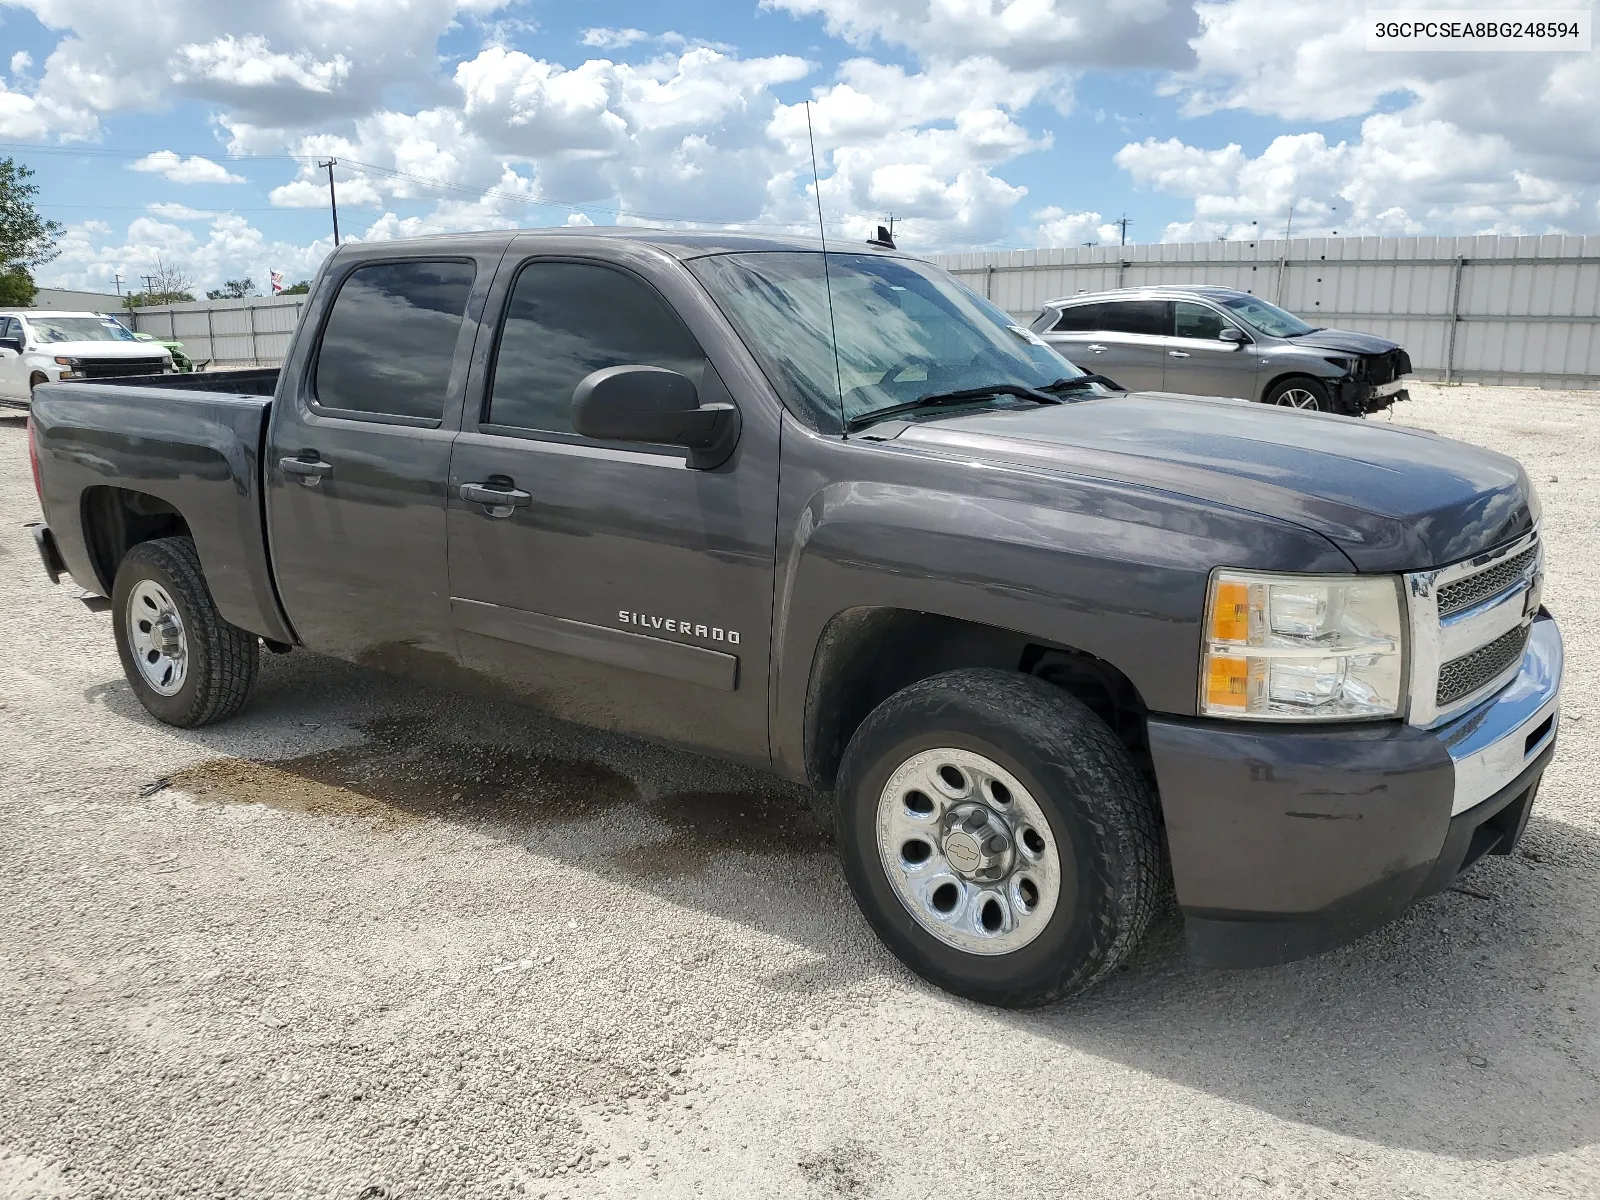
point(358, 457)
point(1120, 339)
point(616, 585)
point(1199, 362)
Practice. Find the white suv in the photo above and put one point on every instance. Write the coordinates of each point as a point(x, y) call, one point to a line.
point(37, 346)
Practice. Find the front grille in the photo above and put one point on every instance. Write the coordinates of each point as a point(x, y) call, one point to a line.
point(117, 368)
point(1462, 676)
point(1489, 582)
point(1380, 370)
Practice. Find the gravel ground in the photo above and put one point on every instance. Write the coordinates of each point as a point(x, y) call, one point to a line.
point(368, 940)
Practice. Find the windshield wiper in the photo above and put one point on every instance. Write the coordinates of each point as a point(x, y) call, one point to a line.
point(940, 399)
point(1080, 382)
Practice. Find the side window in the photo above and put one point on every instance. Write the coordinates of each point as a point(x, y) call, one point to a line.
point(1137, 316)
point(565, 320)
point(390, 341)
point(10, 328)
point(1081, 319)
point(1190, 320)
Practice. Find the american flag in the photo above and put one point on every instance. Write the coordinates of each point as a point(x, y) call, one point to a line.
point(277, 281)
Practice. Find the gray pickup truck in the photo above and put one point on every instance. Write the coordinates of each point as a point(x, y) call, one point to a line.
point(1049, 651)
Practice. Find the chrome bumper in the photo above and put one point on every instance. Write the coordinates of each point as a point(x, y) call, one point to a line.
point(1491, 744)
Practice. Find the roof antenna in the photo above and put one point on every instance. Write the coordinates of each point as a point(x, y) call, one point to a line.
point(885, 238)
point(827, 280)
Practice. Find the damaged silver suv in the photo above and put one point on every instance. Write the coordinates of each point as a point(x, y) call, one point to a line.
point(1215, 341)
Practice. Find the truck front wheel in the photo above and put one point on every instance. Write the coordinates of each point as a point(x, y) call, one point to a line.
point(185, 663)
point(998, 837)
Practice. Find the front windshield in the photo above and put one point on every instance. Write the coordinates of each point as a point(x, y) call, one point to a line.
point(79, 329)
point(905, 330)
point(1266, 318)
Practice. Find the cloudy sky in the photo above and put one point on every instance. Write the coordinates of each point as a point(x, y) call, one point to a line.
point(191, 128)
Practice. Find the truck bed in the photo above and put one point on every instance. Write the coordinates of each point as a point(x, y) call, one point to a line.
point(250, 381)
point(150, 449)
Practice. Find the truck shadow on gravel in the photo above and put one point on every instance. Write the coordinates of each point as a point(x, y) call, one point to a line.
point(1465, 1030)
point(688, 829)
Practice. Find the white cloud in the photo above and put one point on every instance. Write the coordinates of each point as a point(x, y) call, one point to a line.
point(1101, 34)
point(286, 63)
point(20, 62)
point(1400, 177)
point(249, 62)
point(1315, 67)
point(613, 39)
point(180, 212)
point(1057, 227)
point(231, 248)
point(193, 169)
point(577, 220)
point(353, 192)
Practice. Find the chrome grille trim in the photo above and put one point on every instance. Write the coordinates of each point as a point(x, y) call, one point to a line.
point(1490, 581)
point(1471, 672)
point(1491, 596)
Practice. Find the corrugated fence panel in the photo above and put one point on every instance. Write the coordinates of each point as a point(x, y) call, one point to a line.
point(227, 333)
point(1488, 308)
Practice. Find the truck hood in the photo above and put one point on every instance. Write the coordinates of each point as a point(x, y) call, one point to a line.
point(1346, 340)
point(101, 349)
point(1391, 498)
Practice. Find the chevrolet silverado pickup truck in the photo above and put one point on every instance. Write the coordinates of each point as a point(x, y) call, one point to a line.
point(1049, 651)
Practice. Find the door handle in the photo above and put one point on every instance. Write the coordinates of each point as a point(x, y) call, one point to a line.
point(308, 468)
point(1177, 354)
point(497, 501)
point(1095, 348)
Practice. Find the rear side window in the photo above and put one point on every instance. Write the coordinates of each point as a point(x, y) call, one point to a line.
point(390, 341)
point(1191, 320)
point(565, 320)
point(1083, 318)
point(1136, 316)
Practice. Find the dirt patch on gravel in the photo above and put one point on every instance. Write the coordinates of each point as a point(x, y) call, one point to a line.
point(704, 824)
point(400, 775)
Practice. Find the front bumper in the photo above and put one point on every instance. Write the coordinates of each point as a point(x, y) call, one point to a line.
point(1287, 842)
point(1361, 397)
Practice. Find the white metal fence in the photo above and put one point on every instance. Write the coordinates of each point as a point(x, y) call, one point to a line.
point(1486, 309)
point(252, 332)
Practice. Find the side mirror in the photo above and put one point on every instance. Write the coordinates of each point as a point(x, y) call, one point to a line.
point(653, 404)
point(1231, 333)
point(12, 344)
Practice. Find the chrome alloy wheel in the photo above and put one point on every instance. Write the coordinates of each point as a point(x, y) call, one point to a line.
point(968, 851)
point(156, 635)
point(1298, 398)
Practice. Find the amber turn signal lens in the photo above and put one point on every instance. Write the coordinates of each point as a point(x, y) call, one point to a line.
point(1230, 613)
point(1227, 680)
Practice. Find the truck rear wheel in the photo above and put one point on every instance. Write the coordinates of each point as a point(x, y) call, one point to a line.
point(185, 663)
point(998, 837)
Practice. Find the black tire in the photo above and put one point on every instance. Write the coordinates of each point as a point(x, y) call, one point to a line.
point(221, 659)
point(1100, 810)
point(1288, 393)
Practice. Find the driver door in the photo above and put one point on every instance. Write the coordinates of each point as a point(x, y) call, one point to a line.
point(617, 586)
point(12, 384)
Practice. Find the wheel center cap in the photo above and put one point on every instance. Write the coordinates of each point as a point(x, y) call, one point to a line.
point(977, 843)
point(963, 851)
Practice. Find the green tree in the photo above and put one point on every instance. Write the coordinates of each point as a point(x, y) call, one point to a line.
point(299, 289)
point(234, 289)
point(26, 239)
point(17, 288)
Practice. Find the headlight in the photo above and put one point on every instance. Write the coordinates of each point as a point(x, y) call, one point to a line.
point(1302, 647)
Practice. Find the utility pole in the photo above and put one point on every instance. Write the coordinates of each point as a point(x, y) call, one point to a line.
point(1123, 225)
point(333, 198)
point(117, 279)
